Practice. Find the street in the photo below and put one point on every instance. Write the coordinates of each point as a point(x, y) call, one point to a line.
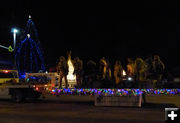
point(77, 109)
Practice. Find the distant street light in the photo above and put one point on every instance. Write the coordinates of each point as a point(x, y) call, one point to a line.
point(15, 31)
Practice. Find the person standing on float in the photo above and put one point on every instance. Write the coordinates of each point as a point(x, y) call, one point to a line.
point(158, 69)
point(62, 70)
point(130, 67)
point(118, 72)
point(140, 71)
point(78, 70)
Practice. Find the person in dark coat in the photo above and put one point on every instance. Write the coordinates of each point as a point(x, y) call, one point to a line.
point(62, 70)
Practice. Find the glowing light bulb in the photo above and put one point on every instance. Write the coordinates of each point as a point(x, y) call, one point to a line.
point(124, 73)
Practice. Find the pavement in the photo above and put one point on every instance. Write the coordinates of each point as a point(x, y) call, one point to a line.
point(81, 109)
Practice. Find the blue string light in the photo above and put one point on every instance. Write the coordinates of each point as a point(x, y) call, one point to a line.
point(28, 55)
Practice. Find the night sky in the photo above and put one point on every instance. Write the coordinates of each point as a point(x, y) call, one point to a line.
point(94, 30)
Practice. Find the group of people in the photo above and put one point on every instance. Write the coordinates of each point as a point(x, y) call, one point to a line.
point(63, 69)
point(150, 69)
point(141, 70)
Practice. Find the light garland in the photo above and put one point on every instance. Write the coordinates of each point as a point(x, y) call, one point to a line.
point(114, 92)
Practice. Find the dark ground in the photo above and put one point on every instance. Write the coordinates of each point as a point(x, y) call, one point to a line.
point(79, 109)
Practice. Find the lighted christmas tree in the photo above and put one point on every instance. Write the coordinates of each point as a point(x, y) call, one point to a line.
point(29, 57)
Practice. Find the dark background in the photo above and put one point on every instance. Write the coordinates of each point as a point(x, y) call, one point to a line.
point(94, 30)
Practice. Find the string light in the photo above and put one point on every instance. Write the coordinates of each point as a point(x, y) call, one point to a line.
point(114, 92)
